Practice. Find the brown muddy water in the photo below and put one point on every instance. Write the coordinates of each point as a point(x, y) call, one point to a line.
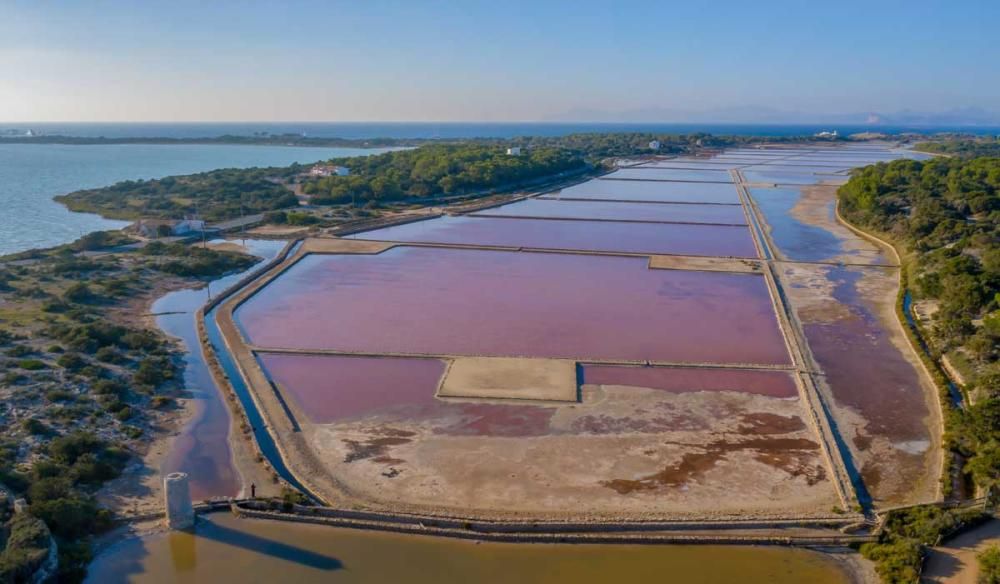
point(435, 301)
point(226, 549)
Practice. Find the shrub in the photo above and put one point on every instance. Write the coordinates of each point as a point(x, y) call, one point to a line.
point(78, 293)
point(989, 565)
point(26, 549)
point(31, 364)
point(71, 361)
point(34, 427)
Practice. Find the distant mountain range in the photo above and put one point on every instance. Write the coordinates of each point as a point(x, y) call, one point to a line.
point(965, 116)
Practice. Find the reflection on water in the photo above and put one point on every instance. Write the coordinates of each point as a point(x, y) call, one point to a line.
point(795, 240)
point(226, 549)
point(202, 449)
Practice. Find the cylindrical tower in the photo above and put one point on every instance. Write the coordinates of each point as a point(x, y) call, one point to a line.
point(180, 512)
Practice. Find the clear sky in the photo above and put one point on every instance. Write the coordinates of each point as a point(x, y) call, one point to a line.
point(499, 60)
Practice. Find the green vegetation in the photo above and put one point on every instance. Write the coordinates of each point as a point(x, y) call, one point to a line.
point(213, 196)
point(989, 565)
point(944, 216)
point(438, 170)
point(964, 148)
point(82, 381)
point(906, 535)
point(26, 546)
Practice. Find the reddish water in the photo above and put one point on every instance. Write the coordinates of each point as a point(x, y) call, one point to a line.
point(551, 208)
point(685, 380)
point(651, 238)
point(653, 173)
point(331, 388)
point(652, 191)
point(499, 303)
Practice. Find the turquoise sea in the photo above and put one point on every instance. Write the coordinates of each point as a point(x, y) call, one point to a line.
point(31, 174)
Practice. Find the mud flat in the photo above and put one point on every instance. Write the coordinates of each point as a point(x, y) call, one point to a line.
point(607, 236)
point(437, 301)
point(801, 222)
point(882, 404)
point(674, 450)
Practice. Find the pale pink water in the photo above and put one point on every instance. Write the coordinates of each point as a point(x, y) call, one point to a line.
point(551, 208)
point(331, 388)
point(646, 238)
point(497, 303)
point(668, 174)
point(651, 191)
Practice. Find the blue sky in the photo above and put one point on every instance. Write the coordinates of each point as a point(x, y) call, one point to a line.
point(493, 61)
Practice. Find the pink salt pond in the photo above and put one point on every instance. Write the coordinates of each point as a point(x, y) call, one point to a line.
point(669, 174)
point(777, 384)
point(645, 238)
point(332, 388)
point(438, 301)
point(617, 211)
point(651, 191)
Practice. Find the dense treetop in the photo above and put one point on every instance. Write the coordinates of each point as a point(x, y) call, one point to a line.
point(439, 170)
point(946, 212)
point(969, 147)
point(213, 196)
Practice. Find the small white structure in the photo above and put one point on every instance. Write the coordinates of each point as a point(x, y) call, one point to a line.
point(827, 134)
point(329, 170)
point(654, 145)
point(153, 228)
point(177, 495)
point(514, 151)
point(188, 226)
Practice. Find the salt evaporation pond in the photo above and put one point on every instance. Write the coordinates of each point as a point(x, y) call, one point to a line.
point(477, 302)
point(642, 238)
point(616, 211)
point(340, 387)
point(777, 384)
point(651, 191)
point(759, 175)
point(666, 174)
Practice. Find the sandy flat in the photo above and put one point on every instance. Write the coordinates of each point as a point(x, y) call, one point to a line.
point(503, 378)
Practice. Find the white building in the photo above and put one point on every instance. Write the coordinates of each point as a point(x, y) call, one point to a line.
point(154, 228)
point(514, 151)
point(654, 145)
point(329, 170)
